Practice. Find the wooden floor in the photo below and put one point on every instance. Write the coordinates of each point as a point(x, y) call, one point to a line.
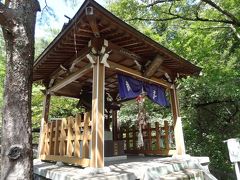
point(134, 167)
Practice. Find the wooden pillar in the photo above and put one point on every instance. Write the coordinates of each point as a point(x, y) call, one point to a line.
point(97, 149)
point(178, 131)
point(44, 121)
point(114, 125)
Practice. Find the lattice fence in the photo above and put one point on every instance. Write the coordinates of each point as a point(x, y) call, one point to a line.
point(67, 140)
point(157, 140)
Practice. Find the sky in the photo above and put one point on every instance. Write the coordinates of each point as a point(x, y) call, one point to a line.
point(60, 8)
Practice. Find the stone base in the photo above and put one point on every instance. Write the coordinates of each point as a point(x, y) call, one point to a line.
point(132, 168)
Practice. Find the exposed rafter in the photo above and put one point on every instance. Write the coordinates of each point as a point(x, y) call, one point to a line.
point(153, 67)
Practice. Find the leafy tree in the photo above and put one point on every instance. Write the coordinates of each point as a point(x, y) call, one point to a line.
point(207, 33)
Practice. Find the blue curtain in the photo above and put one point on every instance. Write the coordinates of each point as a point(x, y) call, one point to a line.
point(156, 94)
point(130, 88)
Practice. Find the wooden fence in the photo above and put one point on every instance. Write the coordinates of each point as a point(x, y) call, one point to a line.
point(157, 140)
point(67, 140)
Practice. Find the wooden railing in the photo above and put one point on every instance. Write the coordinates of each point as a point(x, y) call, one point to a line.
point(157, 140)
point(67, 140)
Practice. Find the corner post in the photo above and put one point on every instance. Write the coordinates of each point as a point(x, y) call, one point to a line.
point(44, 121)
point(178, 130)
point(115, 125)
point(97, 149)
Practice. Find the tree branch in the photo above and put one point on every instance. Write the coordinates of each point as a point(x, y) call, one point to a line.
point(232, 20)
point(197, 18)
point(214, 102)
point(223, 11)
point(235, 31)
point(159, 2)
point(152, 19)
point(176, 16)
point(6, 16)
point(49, 10)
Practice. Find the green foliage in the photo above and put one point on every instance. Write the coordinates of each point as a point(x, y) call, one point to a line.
point(60, 106)
point(42, 43)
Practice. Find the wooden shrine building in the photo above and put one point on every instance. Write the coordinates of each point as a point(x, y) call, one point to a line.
point(83, 62)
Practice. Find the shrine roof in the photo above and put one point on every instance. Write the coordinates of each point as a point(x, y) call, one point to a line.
point(127, 47)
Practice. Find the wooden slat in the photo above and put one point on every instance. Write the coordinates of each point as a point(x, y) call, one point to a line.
point(51, 135)
point(62, 147)
point(46, 149)
point(127, 138)
point(166, 137)
point(70, 124)
point(77, 136)
point(134, 137)
point(157, 135)
point(57, 137)
point(45, 140)
point(85, 150)
point(149, 135)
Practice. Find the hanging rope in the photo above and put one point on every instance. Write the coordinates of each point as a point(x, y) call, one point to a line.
point(74, 38)
point(142, 118)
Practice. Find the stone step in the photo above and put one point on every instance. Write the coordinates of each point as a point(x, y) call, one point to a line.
point(186, 174)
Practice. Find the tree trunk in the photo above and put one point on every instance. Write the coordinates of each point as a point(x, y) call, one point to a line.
point(16, 127)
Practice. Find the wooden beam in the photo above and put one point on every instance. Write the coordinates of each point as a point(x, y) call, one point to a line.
point(154, 66)
point(178, 131)
point(72, 77)
point(97, 148)
point(138, 74)
point(92, 21)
